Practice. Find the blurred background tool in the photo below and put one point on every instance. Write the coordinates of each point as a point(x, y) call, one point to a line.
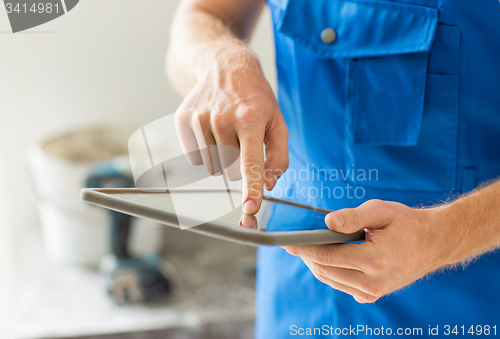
point(129, 280)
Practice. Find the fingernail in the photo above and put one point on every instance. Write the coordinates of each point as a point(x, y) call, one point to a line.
point(337, 220)
point(276, 177)
point(271, 184)
point(246, 222)
point(249, 207)
point(273, 181)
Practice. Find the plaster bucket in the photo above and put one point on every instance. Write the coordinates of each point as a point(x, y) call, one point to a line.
point(73, 231)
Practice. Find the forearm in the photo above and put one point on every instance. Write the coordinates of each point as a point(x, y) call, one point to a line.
point(473, 223)
point(202, 39)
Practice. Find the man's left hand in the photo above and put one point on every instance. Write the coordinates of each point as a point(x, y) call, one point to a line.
point(402, 245)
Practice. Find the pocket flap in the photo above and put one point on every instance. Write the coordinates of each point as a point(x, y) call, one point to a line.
point(363, 28)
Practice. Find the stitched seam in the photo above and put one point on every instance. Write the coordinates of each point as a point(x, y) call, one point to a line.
point(393, 6)
point(358, 89)
point(400, 49)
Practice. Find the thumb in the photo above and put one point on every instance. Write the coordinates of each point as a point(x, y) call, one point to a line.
point(371, 215)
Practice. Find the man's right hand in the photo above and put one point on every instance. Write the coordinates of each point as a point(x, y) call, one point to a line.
point(228, 101)
point(232, 104)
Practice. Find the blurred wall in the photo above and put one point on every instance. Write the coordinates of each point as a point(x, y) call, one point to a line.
point(102, 62)
point(6, 264)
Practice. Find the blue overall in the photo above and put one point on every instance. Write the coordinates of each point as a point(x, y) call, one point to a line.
point(404, 105)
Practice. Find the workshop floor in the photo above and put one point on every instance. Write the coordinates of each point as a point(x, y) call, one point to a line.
point(214, 292)
point(238, 330)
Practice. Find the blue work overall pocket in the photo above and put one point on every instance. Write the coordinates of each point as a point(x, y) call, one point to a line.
point(401, 86)
point(402, 116)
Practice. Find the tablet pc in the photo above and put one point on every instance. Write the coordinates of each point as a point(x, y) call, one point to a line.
point(204, 211)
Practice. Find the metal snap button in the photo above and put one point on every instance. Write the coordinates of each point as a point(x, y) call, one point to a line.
point(328, 35)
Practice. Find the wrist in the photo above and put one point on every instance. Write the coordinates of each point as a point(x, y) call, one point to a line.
point(225, 58)
point(457, 238)
point(445, 236)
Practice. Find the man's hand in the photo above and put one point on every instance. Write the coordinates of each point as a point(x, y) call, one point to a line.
point(235, 106)
point(228, 101)
point(400, 247)
point(402, 244)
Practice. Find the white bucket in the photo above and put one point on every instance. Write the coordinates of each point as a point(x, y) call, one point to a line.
point(75, 232)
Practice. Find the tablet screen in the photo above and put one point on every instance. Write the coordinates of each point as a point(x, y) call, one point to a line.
point(194, 208)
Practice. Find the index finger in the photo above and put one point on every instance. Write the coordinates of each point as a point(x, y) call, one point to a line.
point(252, 166)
